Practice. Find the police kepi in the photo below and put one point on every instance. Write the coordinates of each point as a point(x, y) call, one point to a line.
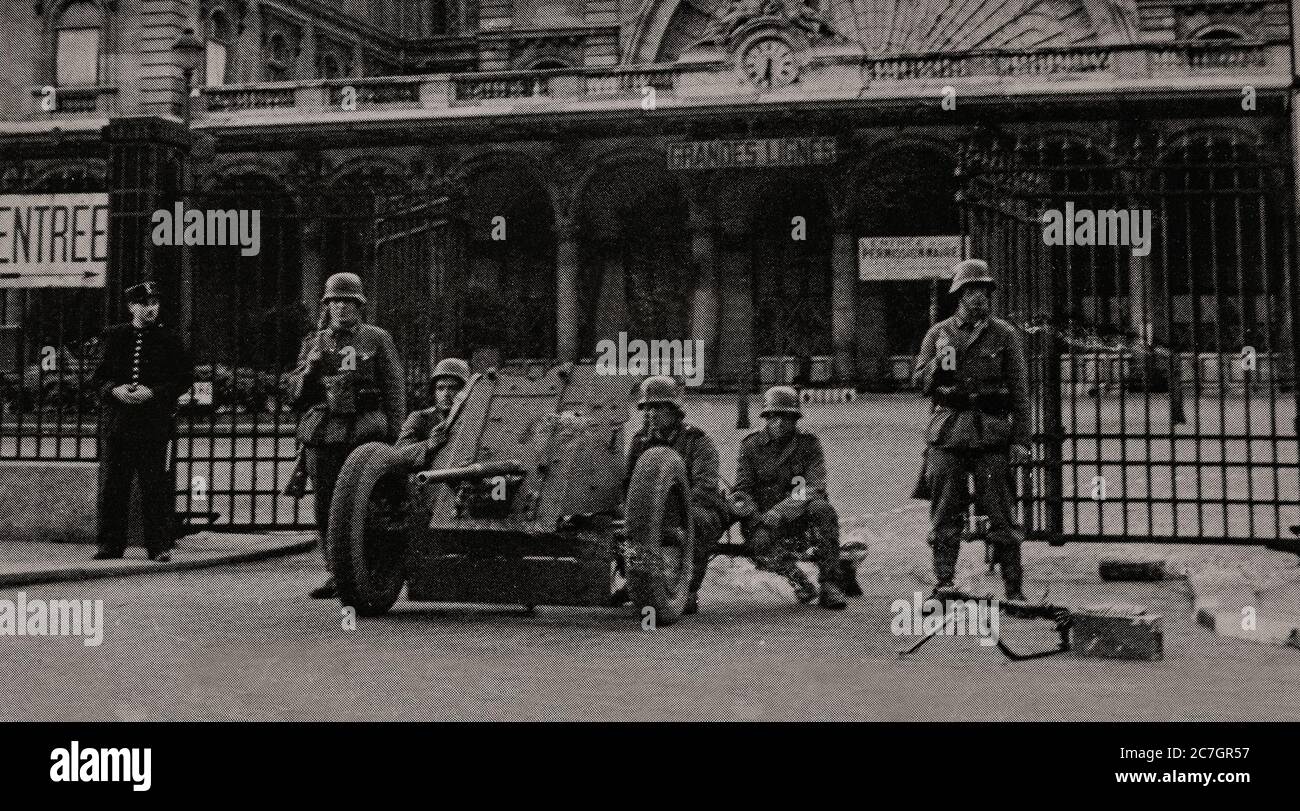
point(144, 369)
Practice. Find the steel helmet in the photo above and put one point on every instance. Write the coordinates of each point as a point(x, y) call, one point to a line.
point(780, 400)
point(660, 389)
point(344, 286)
point(971, 271)
point(451, 367)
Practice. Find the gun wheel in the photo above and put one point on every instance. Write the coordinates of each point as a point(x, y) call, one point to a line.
point(661, 534)
point(367, 529)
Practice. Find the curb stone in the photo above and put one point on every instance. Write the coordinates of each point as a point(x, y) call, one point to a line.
point(1218, 606)
point(123, 568)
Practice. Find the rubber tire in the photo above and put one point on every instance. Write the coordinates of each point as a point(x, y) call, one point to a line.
point(350, 540)
point(658, 472)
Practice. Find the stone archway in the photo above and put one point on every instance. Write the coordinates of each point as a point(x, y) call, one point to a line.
point(247, 310)
point(906, 189)
point(791, 237)
point(636, 271)
point(506, 227)
point(664, 29)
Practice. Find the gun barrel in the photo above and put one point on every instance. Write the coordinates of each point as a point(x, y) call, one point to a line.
point(478, 470)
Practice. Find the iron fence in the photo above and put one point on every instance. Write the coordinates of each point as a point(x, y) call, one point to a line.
point(1162, 361)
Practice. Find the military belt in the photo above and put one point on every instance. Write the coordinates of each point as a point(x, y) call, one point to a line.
point(994, 403)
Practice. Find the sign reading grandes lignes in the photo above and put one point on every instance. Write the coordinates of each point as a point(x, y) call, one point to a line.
point(760, 152)
point(53, 240)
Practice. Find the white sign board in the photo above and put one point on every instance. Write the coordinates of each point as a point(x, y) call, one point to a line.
point(53, 240)
point(203, 392)
point(897, 259)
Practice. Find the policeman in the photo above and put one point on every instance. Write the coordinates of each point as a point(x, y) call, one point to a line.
point(973, 367)
point(665, 425)
point(781, 471)
point(144, 370)
point(425, 431)
point(350, 387)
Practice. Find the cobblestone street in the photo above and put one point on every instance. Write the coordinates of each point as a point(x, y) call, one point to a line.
point(244, 642)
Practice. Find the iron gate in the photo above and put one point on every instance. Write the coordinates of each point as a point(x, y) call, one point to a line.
point(244, 314)
point(246, 319)
point(1161, 362)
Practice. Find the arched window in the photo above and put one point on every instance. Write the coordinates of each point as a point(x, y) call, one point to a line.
point(328, 66)
point(219, 42)
point(77, 38)
point(279, 58)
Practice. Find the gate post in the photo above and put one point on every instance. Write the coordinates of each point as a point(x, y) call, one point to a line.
point(146, 171)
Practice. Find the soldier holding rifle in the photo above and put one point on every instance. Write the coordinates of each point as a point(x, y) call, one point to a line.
point(350, 386)
point(973, 367)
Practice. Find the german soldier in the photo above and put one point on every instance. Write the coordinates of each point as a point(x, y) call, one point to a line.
point(973, 367)
point(349, 384)
point(665, 425)
point(781, 474)
point(425, 431)
point(144, 370)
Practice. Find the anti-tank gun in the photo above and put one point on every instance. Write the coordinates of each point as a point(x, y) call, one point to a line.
point(523, 504)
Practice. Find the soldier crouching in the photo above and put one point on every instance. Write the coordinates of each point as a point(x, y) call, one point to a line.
point(665, 425)
point(781, 471)
point(350, 385)
point(973, 367)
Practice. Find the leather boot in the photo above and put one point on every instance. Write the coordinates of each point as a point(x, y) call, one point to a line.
point(1012, 574)
point(831, 597)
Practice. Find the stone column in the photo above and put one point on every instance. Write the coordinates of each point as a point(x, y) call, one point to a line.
point(844, 314)
point(358, 60)
point(310, 231)
point(306, 67)
point(704, 310)
point(248, 64)
point(566, 290)
point(736, 352)
point(611, 315)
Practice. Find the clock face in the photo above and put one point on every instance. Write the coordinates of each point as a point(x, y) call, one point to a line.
point(771, 63)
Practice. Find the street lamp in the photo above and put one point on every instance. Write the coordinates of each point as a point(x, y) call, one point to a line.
point(190, 54)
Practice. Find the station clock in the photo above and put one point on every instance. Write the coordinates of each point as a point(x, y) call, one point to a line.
point(770, 62)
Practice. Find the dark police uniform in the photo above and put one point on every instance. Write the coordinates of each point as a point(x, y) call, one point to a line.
point(709, 508)
point(355, 394)
point(981, 409)
point(134, 438)
point(766, 471)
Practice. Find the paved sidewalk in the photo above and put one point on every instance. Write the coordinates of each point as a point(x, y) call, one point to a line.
point(24, 563)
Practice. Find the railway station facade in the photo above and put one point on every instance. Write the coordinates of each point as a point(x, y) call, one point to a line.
point(783, 181)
